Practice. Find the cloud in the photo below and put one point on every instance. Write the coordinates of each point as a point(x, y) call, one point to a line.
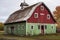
point(3, 18)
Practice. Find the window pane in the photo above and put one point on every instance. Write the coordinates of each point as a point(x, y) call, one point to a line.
point(36, 15)
point(45, 27)
point(31, 27)
point(38, 26)
point(42, 7)
point(48, 16)
point(52, 27)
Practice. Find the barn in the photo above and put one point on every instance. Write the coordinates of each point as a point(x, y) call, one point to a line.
point(31, 20)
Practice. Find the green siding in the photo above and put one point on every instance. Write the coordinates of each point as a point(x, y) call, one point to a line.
point(17, 28)
point(34, 31)
point(51, 28)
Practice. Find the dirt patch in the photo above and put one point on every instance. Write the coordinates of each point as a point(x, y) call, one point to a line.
point(7, 39)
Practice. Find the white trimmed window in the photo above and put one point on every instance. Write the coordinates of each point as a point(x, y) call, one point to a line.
point(36, 15)
point(45, 26)
point(52, 26)
point(42, 7)
point(48, 16)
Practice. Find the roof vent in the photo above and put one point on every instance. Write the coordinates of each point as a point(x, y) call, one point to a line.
point(24, 5)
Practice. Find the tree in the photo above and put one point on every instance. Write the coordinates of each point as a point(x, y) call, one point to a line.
point(57, 16)
point(1, 26)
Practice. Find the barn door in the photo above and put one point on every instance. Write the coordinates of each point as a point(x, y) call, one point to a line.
point(12, 30)
point(42, 29)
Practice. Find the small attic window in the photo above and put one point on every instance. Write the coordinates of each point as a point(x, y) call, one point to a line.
point(36, 15)
point(48, 16)
point(42, 7)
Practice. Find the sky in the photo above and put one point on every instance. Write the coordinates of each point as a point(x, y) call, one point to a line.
point(7, 7)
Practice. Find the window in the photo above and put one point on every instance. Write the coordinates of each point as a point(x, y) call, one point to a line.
point(38, 26)
point(36, 15)
point(42, 7)
point(52, 27)
point(48, 16)
point(45, 26)
point(31, 27)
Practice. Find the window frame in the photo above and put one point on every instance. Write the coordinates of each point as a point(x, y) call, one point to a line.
point(42, 7)
point(45, 26)
point(32, 27)
point(48, 16)
point(38, 26)
point(35, 15)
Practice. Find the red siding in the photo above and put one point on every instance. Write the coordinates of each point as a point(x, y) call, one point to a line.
point(40, 19)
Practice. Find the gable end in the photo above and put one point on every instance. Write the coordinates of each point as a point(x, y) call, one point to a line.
point(48, 11)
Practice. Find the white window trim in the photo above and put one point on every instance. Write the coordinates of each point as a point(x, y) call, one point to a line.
point(33, 27)
point(42, 7)
point(36, 16)
point(47, 16)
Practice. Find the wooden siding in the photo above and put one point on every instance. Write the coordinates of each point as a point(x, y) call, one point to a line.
point(17, 28)
point(50, 28)
point(41, 18)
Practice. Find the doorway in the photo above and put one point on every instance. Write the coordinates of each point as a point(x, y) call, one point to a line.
point(12, 30)
point(42, 29)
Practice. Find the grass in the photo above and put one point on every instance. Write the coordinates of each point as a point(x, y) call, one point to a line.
point(39, 37)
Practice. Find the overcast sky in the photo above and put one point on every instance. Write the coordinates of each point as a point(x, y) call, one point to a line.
point(9, 6)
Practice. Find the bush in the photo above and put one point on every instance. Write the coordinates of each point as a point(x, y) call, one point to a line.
point(1, 26)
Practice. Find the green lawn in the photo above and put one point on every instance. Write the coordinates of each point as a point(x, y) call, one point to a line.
point(40, 37)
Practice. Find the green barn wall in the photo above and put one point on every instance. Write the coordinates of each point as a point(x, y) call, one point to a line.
point(51, 28)
point(19, 28)
point(34, 31)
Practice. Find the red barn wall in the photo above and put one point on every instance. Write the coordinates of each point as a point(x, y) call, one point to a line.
point(40, 19)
